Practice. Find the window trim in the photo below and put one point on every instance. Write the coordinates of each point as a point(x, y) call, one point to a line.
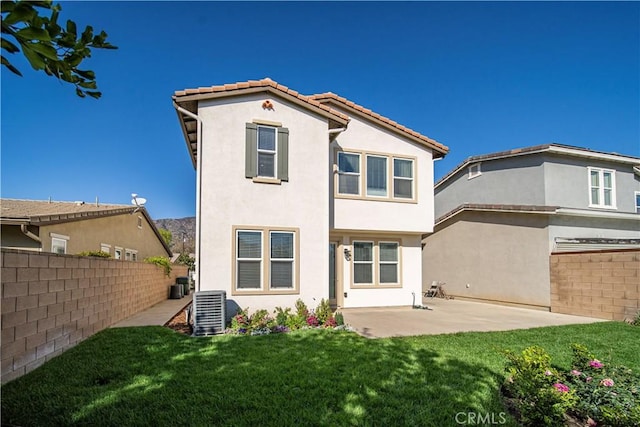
point(265, 271)
point(372, 263)
point(601, 188)
point(103, 246)
point(474, 173)
point(130, 255)
point(260, 260)
point(358, 174)
point(60, 239)
point(274, 152)
point(636, 194)
point(362, 184)
point(282, 260)
point(396, 262)
point(386, 173)
point(412, 179)
point(115, 253)
point(376, 263)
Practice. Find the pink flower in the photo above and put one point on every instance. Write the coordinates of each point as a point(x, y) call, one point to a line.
point(561, 387)
point(595, 363)
point(576, 373)
point(589, 379)
point(607, 382)
point(591, 422)
point(548, 372)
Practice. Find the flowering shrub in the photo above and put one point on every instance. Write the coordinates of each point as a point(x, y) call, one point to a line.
point(284, 320)
point(594, 391)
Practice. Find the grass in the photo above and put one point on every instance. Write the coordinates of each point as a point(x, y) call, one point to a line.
point(154, 376)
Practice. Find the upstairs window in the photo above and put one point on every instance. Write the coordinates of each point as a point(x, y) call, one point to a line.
point(376, 176)
point(348, 173)
point(602, 184)
point(637, 201)
point(403, 178)
point(58, 246)
point(474, 170)
point(267, 152)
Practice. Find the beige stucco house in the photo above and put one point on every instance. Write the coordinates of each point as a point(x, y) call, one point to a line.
point(305, 197)
point(500, 216)
point(125, 232)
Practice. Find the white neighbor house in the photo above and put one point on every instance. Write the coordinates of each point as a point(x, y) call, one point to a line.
point(306, 197)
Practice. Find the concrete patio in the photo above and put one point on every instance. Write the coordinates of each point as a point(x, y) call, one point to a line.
point(450, 316)
point(156, 315)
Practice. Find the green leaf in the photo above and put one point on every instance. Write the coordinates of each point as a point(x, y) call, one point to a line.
point(71, 28)
point(45, 50)
point(9, 47)
point(7, 6)
point(87, 35)
point(31, 33)
point(88, 84)
point(22, 12)
point(34, 58)
point(88, 74)
point(80, 93)
point(11, 68)
point(94, 94)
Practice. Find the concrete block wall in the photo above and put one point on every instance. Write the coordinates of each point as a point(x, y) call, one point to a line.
point(51, 302)
point(603, 284)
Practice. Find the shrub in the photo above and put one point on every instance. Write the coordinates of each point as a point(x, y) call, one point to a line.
point(541, 396)
point(323, 311)
point(160, 261)
point(594, 391)
point(282, 315)
point(636, 320)
point(339, 319)
point(609, 395)
point(96, 254)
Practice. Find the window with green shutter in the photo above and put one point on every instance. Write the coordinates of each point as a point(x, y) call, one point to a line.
point(267, 152)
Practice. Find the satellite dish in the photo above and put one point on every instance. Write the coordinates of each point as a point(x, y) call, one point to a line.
point(138, 201)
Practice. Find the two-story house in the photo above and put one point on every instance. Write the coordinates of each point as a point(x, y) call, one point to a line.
point(305, 197)
point(499, 216)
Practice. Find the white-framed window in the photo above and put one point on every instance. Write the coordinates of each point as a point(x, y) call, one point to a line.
point(602, 188)
point(59, 245)
point(376, 263)
point(265, 260)
point(248, 259)
point(282, 260)
point(348, 173)
point(403, 178)
point(267, 152)
point(388, 262)
point(363, 263)
point(130, 255)
point(637, 197)
point(105, 248)
point(139, 222)
point(376, 175)
point(474, 170)
point(117, 253)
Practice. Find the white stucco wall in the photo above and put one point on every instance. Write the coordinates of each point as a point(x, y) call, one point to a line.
point(351, 214)
point(411, 274)
point(229, 199)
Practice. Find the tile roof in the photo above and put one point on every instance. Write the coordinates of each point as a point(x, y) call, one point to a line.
point(241, 87)
point(352, 106)
point(497, 208)
point(28, 209)
point(556, 148)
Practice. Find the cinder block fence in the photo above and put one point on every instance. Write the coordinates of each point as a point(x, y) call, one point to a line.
point(603, 284)
point(51, 302)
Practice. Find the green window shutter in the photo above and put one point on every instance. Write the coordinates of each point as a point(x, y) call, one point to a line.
point(283, 154)
point(251, 151)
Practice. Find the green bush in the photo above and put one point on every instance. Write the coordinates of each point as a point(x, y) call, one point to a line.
point(540, 394)
point(323, 311)
point(96, 254)
point(592, 391)
point(161, 262)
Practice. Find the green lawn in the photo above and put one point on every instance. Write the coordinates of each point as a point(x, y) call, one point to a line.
point(154, 376)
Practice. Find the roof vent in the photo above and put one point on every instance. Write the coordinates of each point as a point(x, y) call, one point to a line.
point(79, 202)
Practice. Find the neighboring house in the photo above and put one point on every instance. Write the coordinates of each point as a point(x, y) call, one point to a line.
point(499, 216)
point(125, 232)
point(305, 197)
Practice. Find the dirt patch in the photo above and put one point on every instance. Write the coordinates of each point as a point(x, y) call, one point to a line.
point(179, 322)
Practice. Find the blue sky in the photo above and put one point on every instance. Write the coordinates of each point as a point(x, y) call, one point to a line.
point(478, 77)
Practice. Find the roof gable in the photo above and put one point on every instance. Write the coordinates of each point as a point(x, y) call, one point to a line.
point(351, 107)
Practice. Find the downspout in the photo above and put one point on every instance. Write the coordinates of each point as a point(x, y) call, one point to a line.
point(198, 185)
point(26, 232)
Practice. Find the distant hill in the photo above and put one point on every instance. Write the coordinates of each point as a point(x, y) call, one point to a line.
point(177, 227)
